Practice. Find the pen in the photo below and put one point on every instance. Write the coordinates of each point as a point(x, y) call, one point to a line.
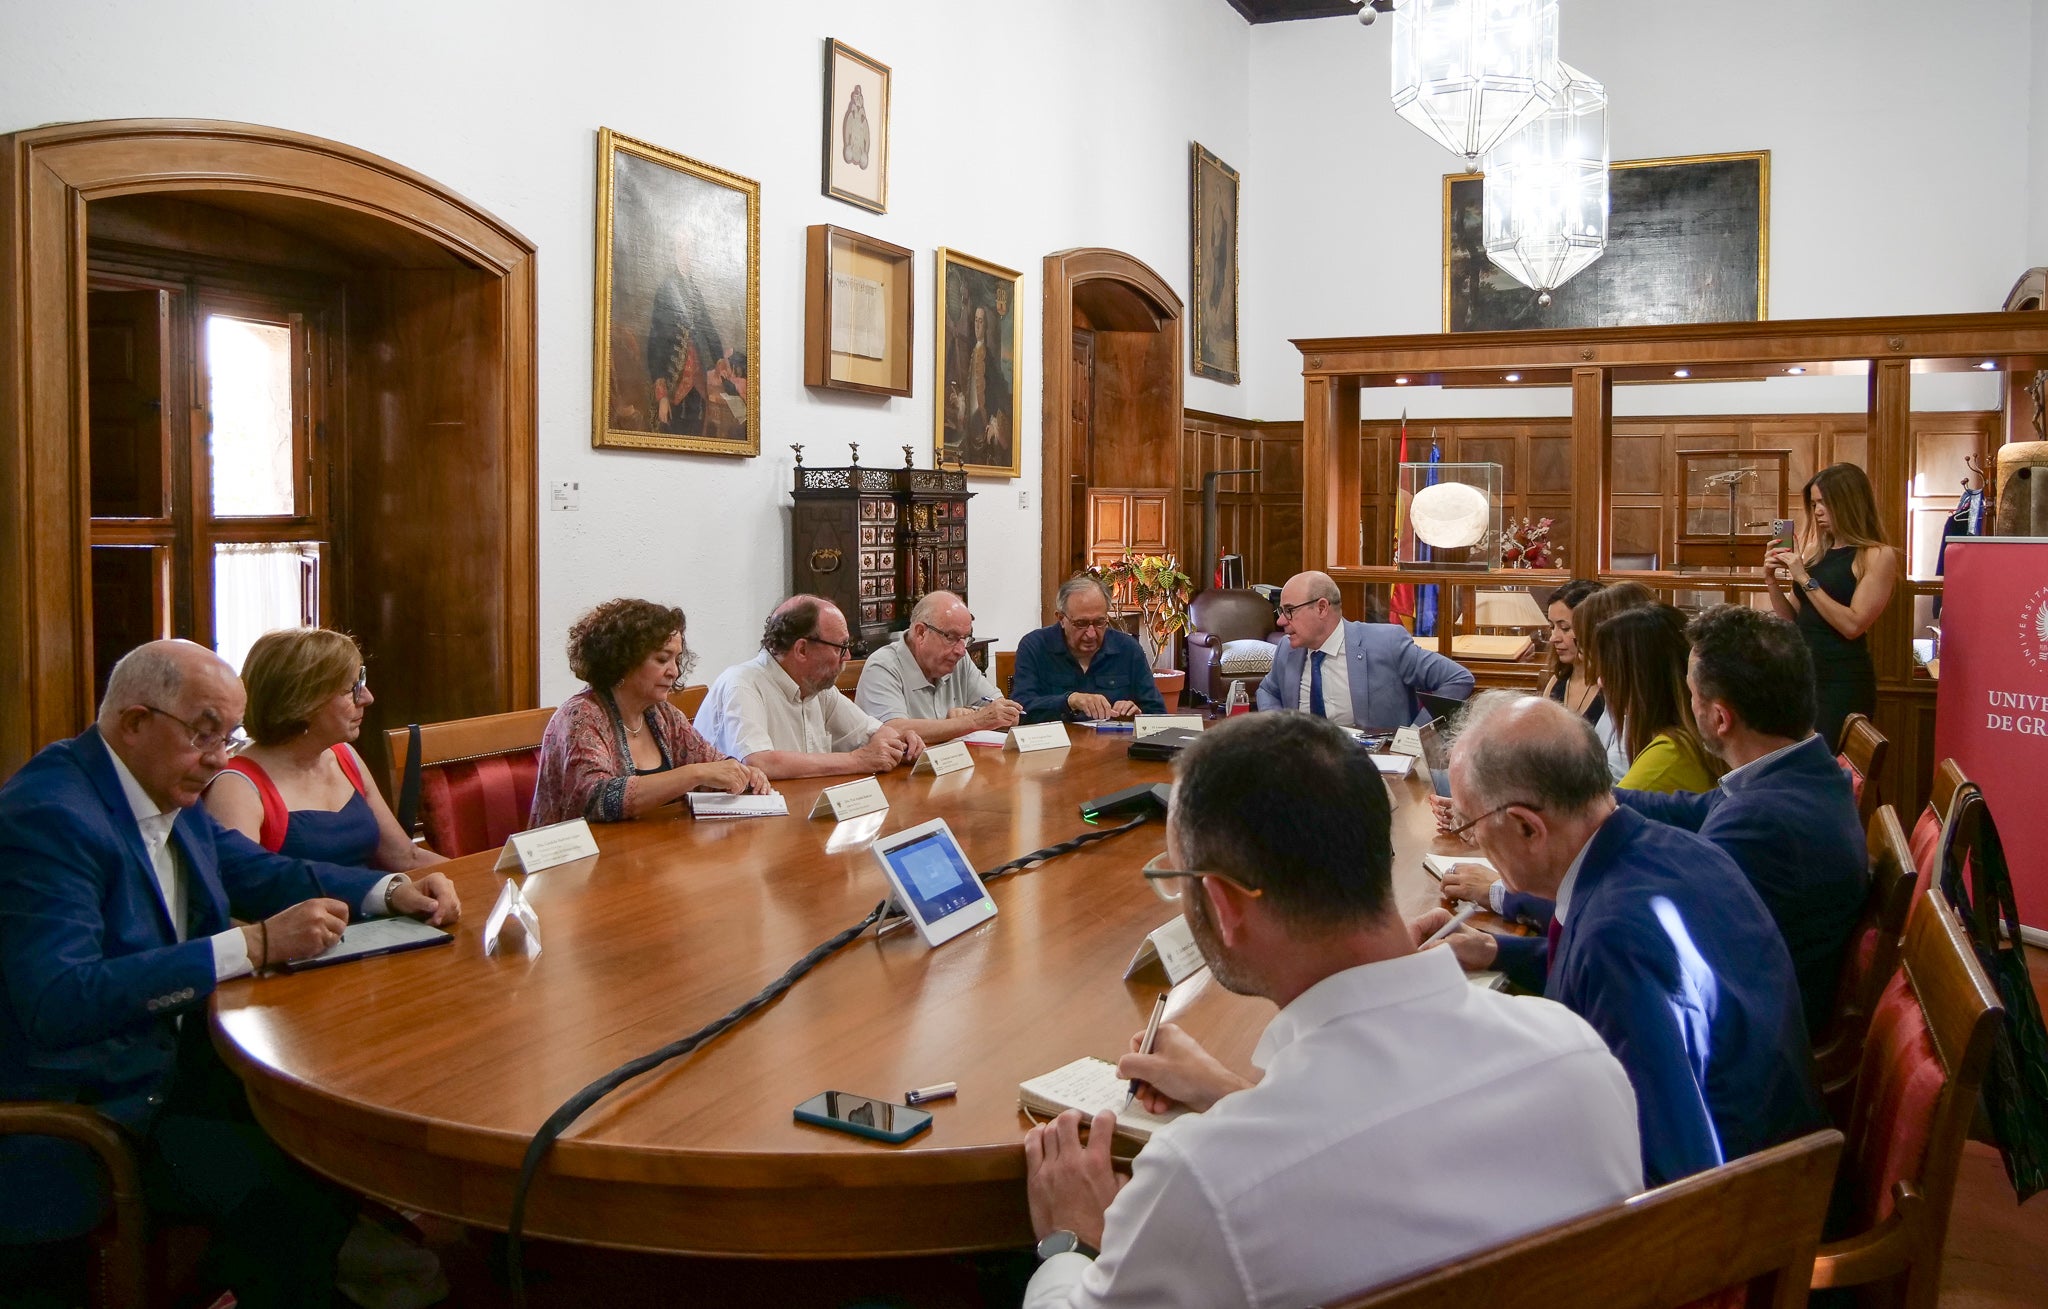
point(1452, 926)
point(943, 1091)
point(1145, 1046)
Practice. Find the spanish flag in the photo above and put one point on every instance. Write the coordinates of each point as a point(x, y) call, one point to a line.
point(1403, 597)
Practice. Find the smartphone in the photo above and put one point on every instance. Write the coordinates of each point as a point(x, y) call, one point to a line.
point(863, 1115)
point(1783, 535)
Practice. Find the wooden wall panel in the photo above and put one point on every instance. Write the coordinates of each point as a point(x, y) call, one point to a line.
point(1257, 517)
point(1135, 425)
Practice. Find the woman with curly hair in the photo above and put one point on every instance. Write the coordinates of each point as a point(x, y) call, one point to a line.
point(618, 749)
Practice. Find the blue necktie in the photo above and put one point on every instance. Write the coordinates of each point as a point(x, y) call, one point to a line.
point(1315, 684)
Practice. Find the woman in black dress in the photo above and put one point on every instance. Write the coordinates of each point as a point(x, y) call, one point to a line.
point(1835, 588)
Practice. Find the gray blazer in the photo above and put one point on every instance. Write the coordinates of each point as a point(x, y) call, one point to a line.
point(1386, 669)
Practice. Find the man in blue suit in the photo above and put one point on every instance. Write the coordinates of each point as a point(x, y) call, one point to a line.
point(1354, 674)
point(1657, 940)
point(115, 895)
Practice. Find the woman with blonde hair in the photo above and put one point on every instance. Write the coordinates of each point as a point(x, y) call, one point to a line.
point(1643, 657)
point(300, 788)
point(1840, 579)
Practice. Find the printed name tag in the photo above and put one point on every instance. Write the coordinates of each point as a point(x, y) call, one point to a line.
point(942, 759)
point(850, 799)
point(1407, 741)
point(546, 847)
point(1037, 736)
point(1173, 948)
point(1154, 724)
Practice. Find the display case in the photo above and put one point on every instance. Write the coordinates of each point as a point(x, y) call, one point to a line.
point(1731, 501)
point(1450, 516)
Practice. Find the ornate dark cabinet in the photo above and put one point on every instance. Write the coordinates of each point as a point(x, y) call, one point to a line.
point(875, 541)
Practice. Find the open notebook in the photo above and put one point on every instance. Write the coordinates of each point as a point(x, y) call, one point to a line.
point(1091, 1086)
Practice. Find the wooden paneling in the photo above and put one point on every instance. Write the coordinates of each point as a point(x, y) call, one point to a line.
point(1136, 421)
point(1257, 517)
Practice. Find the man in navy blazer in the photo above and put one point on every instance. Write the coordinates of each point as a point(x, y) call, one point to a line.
point(116, 891)
point(1354, 674)
point(1657, 940)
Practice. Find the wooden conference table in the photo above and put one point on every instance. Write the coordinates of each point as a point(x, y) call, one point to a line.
point(419, 1078)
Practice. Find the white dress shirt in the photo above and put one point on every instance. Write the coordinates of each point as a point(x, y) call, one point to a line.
point(755, 706)
point(1336, 679)
point(892, 686)
point(1609, 732)
point(1730, 775)
point(1349, 1167)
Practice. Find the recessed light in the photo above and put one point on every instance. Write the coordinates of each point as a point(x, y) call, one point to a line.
point(1400, 381)
point(1989, 365)
point(1514, 377)
point(1681, 372)
point(1795, 371)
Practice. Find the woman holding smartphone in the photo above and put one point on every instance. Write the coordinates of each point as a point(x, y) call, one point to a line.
point(1840, 583)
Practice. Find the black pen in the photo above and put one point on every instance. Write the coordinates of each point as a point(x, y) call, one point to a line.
point(313, 875)
point(1145, 1046)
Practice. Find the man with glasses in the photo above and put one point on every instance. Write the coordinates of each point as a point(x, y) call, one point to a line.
point(924, 681)
point(116, 891)
point(1657, 940)
point(1081, 667)
point(1354, 674)
point(1342, 1166)
point(782, 711)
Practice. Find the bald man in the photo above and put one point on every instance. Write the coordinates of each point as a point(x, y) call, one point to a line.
point(116, 894)
point(1354, 674)
point(924, 680)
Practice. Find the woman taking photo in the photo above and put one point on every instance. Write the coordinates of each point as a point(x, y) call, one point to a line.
point(300, 789)
point(1643, 655)
point(1568, 685)
point(618, 749)
point(1835, 588)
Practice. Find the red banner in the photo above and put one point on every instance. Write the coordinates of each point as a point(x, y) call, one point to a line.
point(1991, 715)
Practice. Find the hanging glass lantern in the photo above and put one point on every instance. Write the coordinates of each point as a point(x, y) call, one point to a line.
point(1544, 198)
point(1469, 72)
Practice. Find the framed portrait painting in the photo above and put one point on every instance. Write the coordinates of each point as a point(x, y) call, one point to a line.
point(1213, 243)
point(856, 128)
point(977, 365)
point(678, 302)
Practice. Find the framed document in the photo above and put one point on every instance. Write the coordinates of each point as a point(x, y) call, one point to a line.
point(858, 320)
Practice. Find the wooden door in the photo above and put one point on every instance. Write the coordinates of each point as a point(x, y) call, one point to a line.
point(130, 462)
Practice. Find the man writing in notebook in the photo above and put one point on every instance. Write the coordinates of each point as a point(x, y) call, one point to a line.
point(1329, 1173)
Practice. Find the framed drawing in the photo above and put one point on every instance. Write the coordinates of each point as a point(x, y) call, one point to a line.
point(678, 302)
point(976, 366)
point(856, 128)
point(858, 323)
point(1213, 242)
point(1688, 241)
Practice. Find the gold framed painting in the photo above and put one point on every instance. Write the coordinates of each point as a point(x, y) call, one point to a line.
point(977, 365)
point(1212, 192)
point(856, 127)
point(678, 302)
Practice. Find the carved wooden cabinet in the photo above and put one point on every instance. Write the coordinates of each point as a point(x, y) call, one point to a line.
point(875, 541)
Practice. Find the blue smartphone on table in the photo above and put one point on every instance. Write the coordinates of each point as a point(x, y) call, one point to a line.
point(863, 1115)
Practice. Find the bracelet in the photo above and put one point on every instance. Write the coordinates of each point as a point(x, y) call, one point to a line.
point(263, 928)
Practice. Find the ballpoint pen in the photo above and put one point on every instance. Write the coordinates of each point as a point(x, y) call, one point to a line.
point(1145, 1046)
point(1452, 926)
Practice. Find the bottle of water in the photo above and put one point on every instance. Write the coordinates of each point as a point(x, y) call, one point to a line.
point(1239, 702)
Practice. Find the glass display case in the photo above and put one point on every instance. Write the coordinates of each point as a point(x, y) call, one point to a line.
point(1735, 502)
point(1450, 516)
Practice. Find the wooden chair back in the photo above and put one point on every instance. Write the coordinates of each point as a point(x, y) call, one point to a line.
point(120, 1243)
point(477, 777)
point(1870, 960)
point(1923, 1065)
point(1006, 669)
point(1926, 838)
point(1862, 750)
point(690, 698)
point(1751, 1225)
point(849, 677)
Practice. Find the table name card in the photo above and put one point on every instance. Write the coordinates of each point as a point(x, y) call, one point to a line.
point(1172, 949)
point(548, 847)
point(1153, 724)
point(850, 800)
point(1037, 736)
point(939, 760)
point(512, 908)
point(1407, 741)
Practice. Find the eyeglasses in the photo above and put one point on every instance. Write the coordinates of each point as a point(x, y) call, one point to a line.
point(203, 741)
point(950, 638)
point(1500, 809)
point(362, 686)
point(1166, 882)
point(843, 647)
point(1287, 611)
point(1087, 624)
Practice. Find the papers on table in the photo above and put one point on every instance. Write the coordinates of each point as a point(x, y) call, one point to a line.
point(1107, 724)
point(985, 738)
point(1440, 865)
point(1091, 1086)
point(1393, 765)
point(716, 804)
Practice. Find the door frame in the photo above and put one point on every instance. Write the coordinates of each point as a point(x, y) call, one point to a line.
point(48, 176)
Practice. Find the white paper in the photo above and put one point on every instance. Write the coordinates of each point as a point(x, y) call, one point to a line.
point(860, 322)
point(949, 757)
point(1394, 765)
point(986, 738)
point(1153, 724)
point(1173, 947)
point(1440, 865)
point(850, 799)
point(548, 847)
point(716, 804)
point(1092, 1086)
point(1038, 736)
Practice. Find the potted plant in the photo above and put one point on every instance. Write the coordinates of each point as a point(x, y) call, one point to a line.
point(1156, 586)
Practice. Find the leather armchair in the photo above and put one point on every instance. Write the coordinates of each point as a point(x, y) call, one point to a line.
point(1215, 618)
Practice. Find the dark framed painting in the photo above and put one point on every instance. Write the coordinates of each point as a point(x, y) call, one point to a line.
point(977, 365)
point(1212, 188)
point(1688, 241)
point(856, 128)
point(678, 302)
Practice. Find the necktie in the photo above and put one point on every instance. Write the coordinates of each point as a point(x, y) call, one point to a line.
point(1550, 955)
point(1315, 684)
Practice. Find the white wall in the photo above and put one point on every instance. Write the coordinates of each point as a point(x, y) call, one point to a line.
point(2037, 140)
point(1898, 132)
point(1016, 130)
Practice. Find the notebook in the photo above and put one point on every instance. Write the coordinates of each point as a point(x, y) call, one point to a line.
point(717, 804)
point(1091, 1086)
point(1440, 865)
point(373, 937)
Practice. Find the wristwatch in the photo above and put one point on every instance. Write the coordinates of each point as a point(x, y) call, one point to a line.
point(391, 889)
point(1061, 1242)
point(1810, 584)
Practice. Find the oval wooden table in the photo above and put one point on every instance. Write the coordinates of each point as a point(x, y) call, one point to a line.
point(419, 1078)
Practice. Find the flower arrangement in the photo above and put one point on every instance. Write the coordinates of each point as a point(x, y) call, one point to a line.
point(1524, 544)
point(1155, 584)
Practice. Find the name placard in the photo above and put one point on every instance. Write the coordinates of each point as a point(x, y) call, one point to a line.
point(1153, 724)
point(1171, 948)
point(547, 847)
point(938, 760)
point(1407, 741)
point(512, 908)
point(850, 800)
point(1024, 738)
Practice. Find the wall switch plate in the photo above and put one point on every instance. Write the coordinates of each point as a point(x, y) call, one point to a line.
point(564, 495)
point(1023, 499)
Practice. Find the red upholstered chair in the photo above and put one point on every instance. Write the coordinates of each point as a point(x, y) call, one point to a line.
point(477, 777)
point(1740, 1234)
point(1863, 749)
point(1926, 838)
point(1869, 962)
point(1923, 1065)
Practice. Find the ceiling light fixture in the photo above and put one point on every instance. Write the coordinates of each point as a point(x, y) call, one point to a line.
point(1796, 369)
point(1543, 202)
point(1681, 372)
point(1469, 73)
point(1989, 365)
point(1514, 377)
point(1400, 381)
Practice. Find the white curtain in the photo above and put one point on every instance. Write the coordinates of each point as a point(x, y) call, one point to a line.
point(260, 587)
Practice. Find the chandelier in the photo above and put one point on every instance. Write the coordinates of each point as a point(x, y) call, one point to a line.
point(1470, 72)
point(1544, 197)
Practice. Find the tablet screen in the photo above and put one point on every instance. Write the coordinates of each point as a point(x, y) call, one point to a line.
point(934, 873)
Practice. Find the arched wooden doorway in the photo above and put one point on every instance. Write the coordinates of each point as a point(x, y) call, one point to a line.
point(433, 472)
point(1112, 411)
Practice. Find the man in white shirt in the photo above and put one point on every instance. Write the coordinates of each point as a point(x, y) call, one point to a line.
point(925, 683)
point(781, 712)
point(1342, 1167)
point(1354, 674)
